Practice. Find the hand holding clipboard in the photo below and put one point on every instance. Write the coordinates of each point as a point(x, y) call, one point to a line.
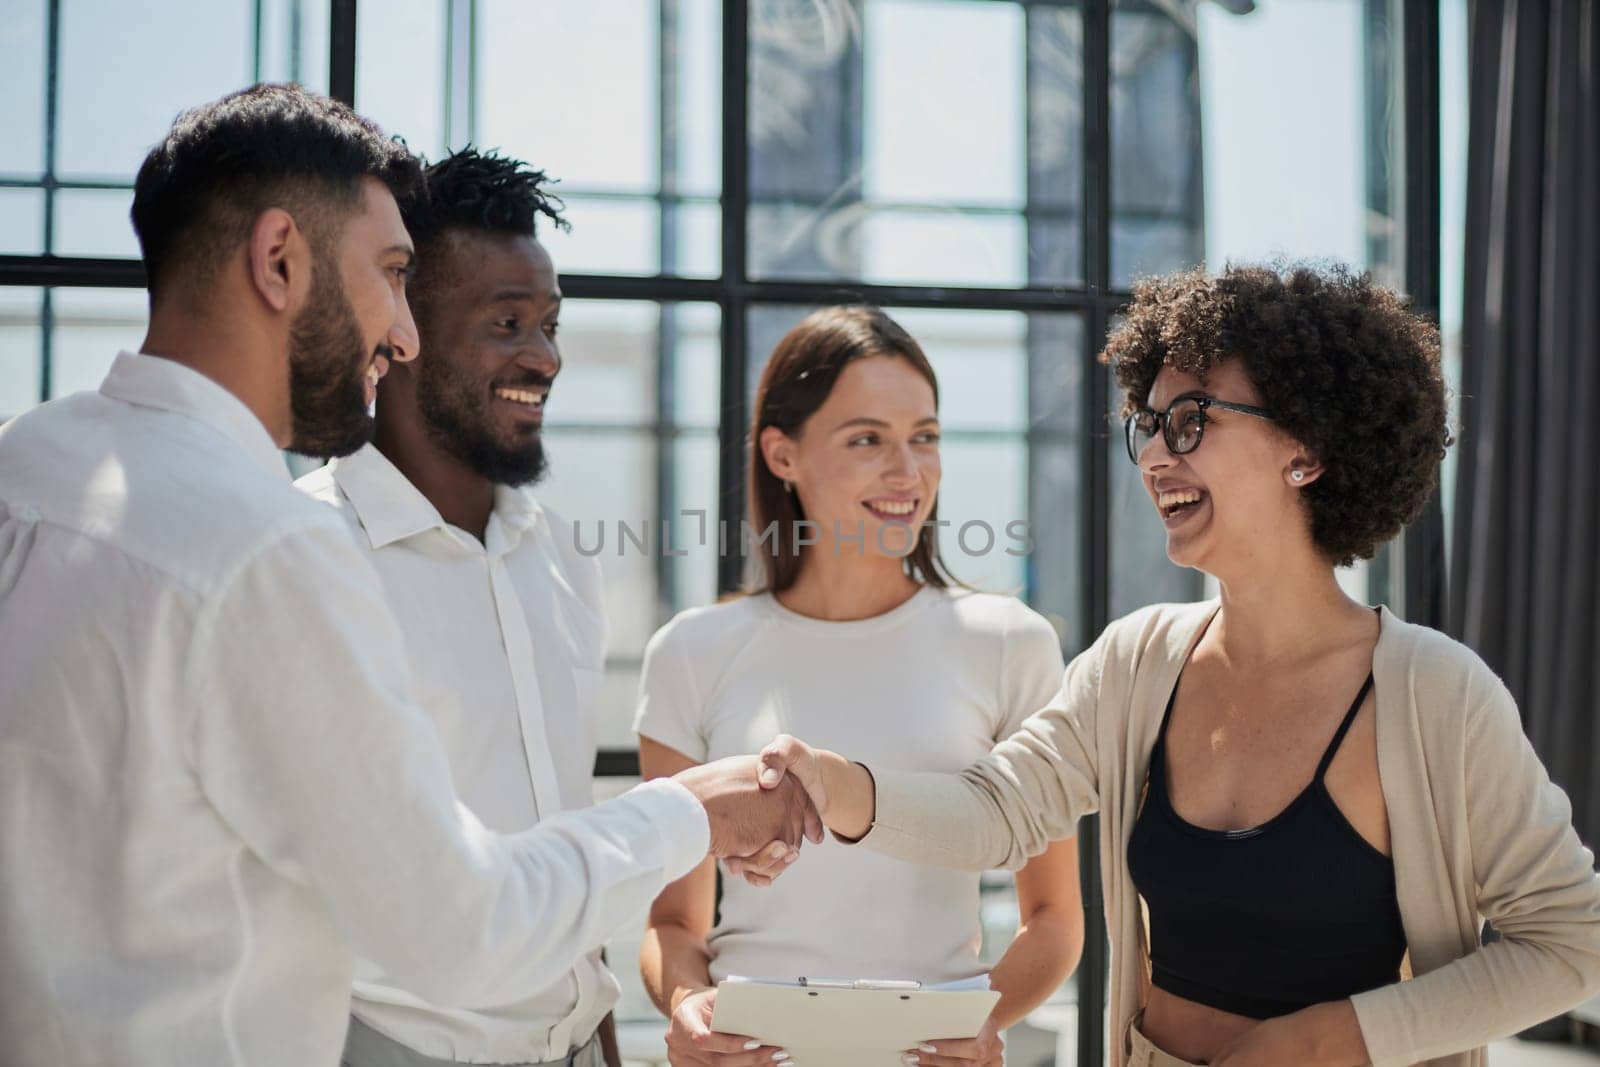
point(851, 1022)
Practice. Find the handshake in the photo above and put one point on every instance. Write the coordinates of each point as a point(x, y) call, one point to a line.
point(762, 807)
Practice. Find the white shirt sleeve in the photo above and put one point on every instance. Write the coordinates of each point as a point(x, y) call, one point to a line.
point(1031, 669)
point(305, 738)
point(670, 710)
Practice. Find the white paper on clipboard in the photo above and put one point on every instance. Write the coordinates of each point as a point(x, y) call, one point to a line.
point(851, 1023)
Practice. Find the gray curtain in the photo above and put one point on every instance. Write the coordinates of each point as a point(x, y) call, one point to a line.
point(1525, 573)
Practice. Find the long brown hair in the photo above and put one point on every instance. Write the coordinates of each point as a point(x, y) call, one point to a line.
point(798, 379)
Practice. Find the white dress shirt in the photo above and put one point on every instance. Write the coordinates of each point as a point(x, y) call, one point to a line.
point(507, 646)
point(216, 785)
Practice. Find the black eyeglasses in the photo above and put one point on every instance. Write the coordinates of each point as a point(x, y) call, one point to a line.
point(1181, 425)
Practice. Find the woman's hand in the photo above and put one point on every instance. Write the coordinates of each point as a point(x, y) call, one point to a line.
point(842, 793)
point(692, 1043)
point(1323, 1035)
point(788, 758)
point(988, 1049)
point(792, 756)
point(1266, 1044)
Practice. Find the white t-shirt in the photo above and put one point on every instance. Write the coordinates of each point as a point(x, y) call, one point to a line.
point(928, 686)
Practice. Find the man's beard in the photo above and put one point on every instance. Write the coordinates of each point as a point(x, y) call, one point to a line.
point(327, 371)
point(457, 413)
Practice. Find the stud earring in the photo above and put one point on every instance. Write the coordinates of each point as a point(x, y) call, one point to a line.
point(1298, 476)
point(788, 486)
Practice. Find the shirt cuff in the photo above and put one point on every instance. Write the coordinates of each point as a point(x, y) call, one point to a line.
point(680, 821)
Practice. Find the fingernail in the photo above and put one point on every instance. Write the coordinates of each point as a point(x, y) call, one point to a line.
point(751, 1046)
point(792, 856)
point(908, 1059)
point(779, 1057)
point(927, 1048)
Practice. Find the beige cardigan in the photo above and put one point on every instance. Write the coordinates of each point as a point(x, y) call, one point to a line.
point(1478, 830)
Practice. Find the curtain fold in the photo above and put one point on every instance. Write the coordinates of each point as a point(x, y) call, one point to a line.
point(1525, 572)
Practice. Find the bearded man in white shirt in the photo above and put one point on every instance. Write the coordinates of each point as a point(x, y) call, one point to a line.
point(216, 783)
point(503, 616)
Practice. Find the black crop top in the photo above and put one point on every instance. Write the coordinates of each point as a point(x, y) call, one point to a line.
point(1265, 921)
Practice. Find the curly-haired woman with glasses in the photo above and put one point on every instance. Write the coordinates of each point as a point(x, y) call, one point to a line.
point(1309, 807)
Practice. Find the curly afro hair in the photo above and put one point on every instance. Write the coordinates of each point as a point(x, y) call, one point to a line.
point(1346, 367)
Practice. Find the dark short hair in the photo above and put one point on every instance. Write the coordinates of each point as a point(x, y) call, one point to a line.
point(202, 187)
point(473, 190)
point(798, 379)
point(1349, 371)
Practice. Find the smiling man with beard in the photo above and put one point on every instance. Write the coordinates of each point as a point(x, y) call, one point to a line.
point(503, 616)
point(217, 786)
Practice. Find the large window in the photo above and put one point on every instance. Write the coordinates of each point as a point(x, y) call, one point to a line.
point(998, 173)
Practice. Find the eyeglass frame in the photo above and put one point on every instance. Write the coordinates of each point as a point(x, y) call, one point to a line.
point(1163, 420)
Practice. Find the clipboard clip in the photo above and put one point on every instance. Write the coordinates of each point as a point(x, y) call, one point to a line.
point(860, 983)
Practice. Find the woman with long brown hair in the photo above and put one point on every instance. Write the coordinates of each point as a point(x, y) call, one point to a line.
point(856, 633)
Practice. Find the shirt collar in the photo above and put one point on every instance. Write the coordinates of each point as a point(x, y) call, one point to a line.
point(517, 508)
point(392, 509)
point(155, 382)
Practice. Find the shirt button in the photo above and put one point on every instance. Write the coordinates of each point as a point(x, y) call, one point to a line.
point(28, 513)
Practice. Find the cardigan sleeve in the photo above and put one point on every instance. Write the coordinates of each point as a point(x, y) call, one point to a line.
point(1011, 804)
point(1535, 882)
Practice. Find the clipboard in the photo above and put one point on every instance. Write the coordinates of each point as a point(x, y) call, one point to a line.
point(851, 1022)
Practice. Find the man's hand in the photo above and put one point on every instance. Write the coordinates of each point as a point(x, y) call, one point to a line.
point(763, 868)
point(784, 762)
point(607, 1033)
point(747, 817)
